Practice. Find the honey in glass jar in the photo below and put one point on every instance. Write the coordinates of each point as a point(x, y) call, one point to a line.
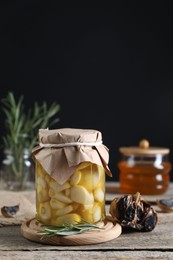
point(70, 176)
point(144, 169)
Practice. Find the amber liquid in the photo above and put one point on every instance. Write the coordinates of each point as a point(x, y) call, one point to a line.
point(144, 178)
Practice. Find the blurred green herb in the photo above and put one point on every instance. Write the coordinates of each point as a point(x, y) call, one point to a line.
point(21, 126)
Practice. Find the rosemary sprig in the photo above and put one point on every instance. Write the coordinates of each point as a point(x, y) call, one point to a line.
point(22, 125)
point(67, 229)
point(21, 131)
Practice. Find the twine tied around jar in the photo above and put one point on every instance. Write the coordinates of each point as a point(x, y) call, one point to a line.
point(70, 144)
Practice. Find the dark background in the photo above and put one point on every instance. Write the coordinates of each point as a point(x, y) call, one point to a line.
point(109, 67)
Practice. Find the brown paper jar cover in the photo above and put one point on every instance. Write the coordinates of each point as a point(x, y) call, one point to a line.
point(61, 162)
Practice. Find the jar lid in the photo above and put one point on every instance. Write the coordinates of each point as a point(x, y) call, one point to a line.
point(144, 149)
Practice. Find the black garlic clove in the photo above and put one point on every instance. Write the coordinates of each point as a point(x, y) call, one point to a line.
point(9, 211)
point(166, 205)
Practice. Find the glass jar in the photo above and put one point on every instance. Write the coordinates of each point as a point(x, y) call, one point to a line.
point(16, 172)
point(144, 169)
point(70, 176)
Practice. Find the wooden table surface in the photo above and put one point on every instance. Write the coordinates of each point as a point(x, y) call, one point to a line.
point(157, 244)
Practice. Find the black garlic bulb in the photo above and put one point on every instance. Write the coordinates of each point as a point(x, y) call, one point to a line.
point(132, 211)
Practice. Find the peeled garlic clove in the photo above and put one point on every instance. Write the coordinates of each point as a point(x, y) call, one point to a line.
point(58, 187)
point(96, 175)
point(86, 212)
point(61, 197)
point(87, 179)
point(56, 204)
point(99, 195)
point(64, 211)
point(96, 213)
point(75, 178)
point(71, 218)
point(83, 165)
point(44, 212)
point(91, 176)
point(80, 195)
point(42, 195)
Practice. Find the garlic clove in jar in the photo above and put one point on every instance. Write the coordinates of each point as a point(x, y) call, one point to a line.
point(80, 195)
point(71, 218)
point(44, 212)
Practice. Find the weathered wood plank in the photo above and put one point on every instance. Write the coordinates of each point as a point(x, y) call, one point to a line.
point(78, 255)
point(161, 238)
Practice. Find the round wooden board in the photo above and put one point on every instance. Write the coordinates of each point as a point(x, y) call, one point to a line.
point(30, 230)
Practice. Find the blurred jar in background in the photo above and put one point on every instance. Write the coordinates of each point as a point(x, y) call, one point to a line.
point(16, 171)
point(144, 169)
